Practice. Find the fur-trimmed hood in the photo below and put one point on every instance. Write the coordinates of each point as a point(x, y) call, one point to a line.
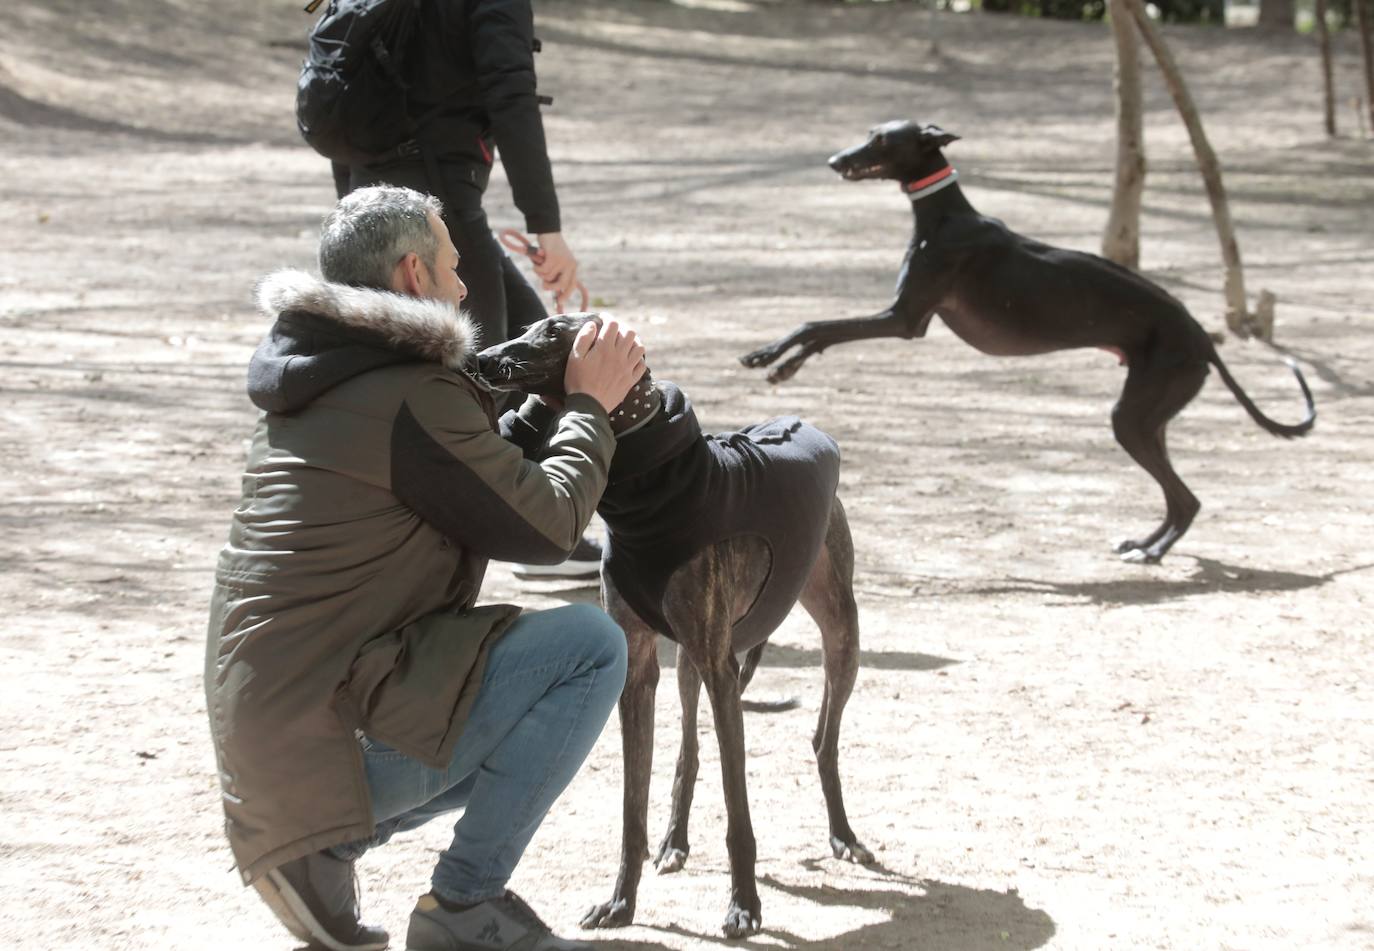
point(326, 333)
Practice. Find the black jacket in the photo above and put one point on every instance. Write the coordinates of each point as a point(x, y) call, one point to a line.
point(473, 85)
point(673, 492)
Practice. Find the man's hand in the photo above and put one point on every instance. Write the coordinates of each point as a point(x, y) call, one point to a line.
point(556, 266)
point(604, 363)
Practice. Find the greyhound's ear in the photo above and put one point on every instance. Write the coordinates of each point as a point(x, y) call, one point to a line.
point(937, 137)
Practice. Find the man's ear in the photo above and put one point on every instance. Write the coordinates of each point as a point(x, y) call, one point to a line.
point(936, 137)
point(410, 277)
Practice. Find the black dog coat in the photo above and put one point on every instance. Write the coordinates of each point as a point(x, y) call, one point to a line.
point(673, 493)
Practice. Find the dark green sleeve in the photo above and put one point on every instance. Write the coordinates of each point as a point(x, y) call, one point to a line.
point(461, 476)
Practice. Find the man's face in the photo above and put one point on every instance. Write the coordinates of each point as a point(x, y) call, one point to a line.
point(444, 283)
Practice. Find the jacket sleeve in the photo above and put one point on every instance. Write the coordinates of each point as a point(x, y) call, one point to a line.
point(463, 478)
point(503, 53)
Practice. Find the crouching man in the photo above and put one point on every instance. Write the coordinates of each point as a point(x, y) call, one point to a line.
point(355, 687)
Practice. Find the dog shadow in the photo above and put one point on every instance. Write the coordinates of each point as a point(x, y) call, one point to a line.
point(782, 655)
point(1209, 577)
point(919, 913)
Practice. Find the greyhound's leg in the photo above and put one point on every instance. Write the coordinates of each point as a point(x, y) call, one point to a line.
point(829, 598)
point(1150, 398)
point(672, 853)
point(637, 737)
point(815, 336)
point(744, 916)
point(701, 602)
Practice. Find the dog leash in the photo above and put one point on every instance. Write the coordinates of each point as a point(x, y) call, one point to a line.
point(517, 242)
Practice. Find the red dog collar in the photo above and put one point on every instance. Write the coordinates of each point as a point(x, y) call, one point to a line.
point(931, 183)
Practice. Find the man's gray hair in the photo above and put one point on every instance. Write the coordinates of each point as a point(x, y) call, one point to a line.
point(371, 229)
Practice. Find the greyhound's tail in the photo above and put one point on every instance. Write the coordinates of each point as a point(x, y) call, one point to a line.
point(1287, 431)
point(746, 674)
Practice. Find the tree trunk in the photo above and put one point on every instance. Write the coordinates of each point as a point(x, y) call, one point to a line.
point(1276, 14)
point(1237, 314)
point(1121, 241)
point(1328, 85)
point(1362, 17)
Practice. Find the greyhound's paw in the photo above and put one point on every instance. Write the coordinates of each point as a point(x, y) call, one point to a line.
point(1139, 556)
point(1127, 545)
point(741, 922)
point(670, 860)
point(787, 369)
point(760, 357)
point(851, 851)
point(616, 913)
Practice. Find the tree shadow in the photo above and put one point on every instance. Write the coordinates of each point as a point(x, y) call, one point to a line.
point(24, 111)
point(1210, 577)
point(1326, 372)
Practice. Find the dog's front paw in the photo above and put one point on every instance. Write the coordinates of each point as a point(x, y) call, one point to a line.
point(670, 860)
point(616, 913)
point(761, 357)
point(1138, 556)
point(741, 922)
point(851, 851)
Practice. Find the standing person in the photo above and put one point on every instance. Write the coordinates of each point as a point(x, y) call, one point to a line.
point(355, 688)
point(473, 90)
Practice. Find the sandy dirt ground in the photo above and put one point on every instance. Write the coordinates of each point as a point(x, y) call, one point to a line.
point(1047, 748)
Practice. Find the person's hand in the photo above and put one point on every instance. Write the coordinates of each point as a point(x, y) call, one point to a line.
point(605, 363)
point(555, 265)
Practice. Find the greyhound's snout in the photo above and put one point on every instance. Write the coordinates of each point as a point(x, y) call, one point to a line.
point(486, 365)
point(494, 367)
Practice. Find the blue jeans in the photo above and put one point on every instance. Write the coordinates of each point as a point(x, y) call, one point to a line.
point(549, 685)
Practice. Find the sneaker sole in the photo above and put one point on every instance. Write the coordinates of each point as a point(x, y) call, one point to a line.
point(584, 569)
point(293, 913)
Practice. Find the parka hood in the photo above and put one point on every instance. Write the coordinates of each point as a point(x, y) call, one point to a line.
point(326, 333)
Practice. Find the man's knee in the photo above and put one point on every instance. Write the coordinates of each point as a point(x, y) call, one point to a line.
point(605, 640)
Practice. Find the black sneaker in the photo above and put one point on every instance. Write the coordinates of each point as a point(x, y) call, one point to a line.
point(584, 562)
point(316, 897)
point(497, 924)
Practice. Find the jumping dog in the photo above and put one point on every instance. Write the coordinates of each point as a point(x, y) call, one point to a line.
point(1008, 295)
point(710, 542)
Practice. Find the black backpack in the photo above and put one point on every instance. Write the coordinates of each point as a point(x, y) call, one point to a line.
point(351, 95)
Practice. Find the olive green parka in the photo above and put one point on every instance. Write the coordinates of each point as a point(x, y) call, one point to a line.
point(376, 488)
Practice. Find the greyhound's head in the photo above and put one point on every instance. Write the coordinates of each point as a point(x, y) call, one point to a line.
point(904, 151)
point(534, 362)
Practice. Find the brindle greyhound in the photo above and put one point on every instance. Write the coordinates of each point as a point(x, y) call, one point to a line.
point(721, 590)
point(1009, 295)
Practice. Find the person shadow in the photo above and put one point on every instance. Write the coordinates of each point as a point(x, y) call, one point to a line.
point(919, 913)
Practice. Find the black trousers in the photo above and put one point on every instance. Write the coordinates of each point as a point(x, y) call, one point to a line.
point(500, 301)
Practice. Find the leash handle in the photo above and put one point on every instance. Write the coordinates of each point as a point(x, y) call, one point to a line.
point(515, 240)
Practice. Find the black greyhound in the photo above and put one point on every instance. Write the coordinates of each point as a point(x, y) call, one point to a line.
point(710, 541)
point(1009, 295)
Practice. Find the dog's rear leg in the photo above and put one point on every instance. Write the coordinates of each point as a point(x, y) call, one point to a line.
point(829, 598)
point(637, 737)
point(1150, 398)
point(672, 853)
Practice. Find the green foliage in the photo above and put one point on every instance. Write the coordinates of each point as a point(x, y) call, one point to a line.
point(1191, 11)
point(1053, 9)
point(1171, 11)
